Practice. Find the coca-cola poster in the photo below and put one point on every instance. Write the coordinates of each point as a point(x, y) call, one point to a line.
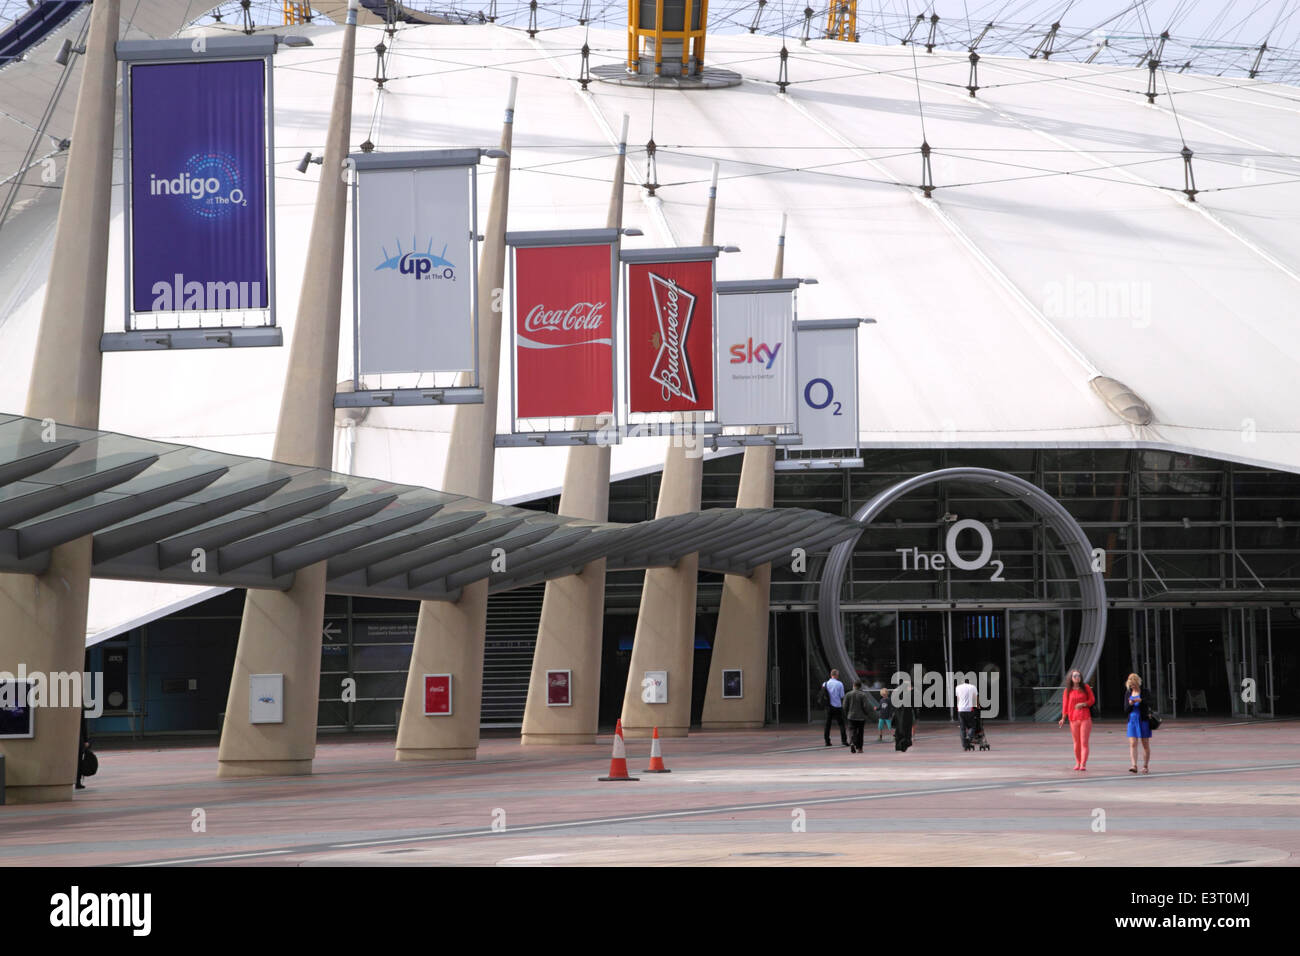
point(670, 336)
point(564, 331)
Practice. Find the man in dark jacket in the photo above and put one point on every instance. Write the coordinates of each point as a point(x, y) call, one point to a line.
point(857, 706)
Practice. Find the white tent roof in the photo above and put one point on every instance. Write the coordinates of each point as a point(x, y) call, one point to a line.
point(1058, 245)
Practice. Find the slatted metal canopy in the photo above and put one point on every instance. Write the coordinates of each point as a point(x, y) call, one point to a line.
point(174, 513)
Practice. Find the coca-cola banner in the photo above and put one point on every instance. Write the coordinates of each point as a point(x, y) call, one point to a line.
point(670, 336)
point(756, 362)
point(564, 330)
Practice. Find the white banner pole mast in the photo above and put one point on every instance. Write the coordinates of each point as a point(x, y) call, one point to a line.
point(665, 624)
point(740, 641)
point(449, 637)
point(43, 618)
point(573, 609)
point(281, 630)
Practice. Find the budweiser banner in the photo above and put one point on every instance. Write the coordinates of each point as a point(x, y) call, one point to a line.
point(755, 345)
point(828, 384)
point(415, 261)
point(563, 328)
point(670, 335)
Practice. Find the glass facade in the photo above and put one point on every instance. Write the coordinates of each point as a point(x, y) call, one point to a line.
point(1201, 561)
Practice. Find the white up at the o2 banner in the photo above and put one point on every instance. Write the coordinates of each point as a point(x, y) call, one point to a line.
point(755, 358)
point(413, 270)
point(828, 387)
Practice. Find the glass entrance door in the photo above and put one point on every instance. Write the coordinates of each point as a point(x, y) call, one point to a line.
point(923, 649)
point(979, 646)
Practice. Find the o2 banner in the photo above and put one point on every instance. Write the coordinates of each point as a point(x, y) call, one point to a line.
point(415, 263)
point(756, 364)
point(670, 336)
point(564, 299)
point(198, 169)
point(828, 384)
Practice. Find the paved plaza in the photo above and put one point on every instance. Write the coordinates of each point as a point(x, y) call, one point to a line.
point(1219, 794)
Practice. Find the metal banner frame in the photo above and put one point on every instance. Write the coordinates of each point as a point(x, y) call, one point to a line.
point(656, 424)
point(609, 432)
point(855, 460)
point(471, 394)
point(200, 50)
point(782, 433)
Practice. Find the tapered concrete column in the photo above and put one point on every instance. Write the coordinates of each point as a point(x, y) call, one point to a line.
point(665, 624)
point(572, 625)
point(449, 636)
point(741, 638)
point(43, 618)
point(281, 630)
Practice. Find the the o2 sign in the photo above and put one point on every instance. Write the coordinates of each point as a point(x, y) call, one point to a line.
point(939, 560)
point(819, 394)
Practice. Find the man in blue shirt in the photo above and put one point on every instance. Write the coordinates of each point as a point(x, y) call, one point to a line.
point(834, 707)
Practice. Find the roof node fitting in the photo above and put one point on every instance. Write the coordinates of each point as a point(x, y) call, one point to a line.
point(927, 174)
point(920, 18)
point(783, 75)
point(1189, 176)
point(1046, 45)
point(932, 40)
point(973, 84)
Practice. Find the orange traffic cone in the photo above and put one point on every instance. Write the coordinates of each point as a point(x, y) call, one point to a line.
point(618, 763)
point(656, 758)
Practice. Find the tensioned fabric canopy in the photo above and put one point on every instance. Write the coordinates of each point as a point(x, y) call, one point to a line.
point(175, 513)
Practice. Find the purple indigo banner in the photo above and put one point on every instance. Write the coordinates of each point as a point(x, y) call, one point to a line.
point(198, 186)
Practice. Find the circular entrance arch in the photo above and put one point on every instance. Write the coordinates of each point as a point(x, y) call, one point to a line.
point(1092, 590)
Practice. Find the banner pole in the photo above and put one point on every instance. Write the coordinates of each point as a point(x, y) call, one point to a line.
point(281, 630)
point(43, 618)
point(450, 636)
point(665, 624)
point(573, 608)
point(740, 640)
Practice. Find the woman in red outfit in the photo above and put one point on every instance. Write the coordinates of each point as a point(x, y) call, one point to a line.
point(1076, 707)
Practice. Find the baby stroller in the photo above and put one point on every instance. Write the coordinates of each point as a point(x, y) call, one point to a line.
point(977, 737)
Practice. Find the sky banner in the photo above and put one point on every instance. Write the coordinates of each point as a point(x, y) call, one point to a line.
point(828, 386)
point(670, 336)
point(564, 330)
point(198, 186)
point(414, 260)
point(756, 358)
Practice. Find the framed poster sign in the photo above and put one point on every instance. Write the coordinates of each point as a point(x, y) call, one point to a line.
point(437, 695)
point(17, 716)
point(558, 688)
point(733, 684)
point(266, 698)
point(654, 687)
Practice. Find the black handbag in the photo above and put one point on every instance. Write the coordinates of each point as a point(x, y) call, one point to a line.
point(89, 764)
point(1153, 720)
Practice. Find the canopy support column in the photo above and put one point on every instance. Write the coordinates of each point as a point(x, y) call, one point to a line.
point(665, 623)
point(740, 642)
point(43, 618)
point(450, 637)
point(281, 630)
point(573, 609)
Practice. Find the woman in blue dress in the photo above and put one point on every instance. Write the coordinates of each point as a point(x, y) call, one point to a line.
point(1138, 703)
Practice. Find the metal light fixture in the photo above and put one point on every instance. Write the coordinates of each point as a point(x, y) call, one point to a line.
point(307, 160)
point(66, 51)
